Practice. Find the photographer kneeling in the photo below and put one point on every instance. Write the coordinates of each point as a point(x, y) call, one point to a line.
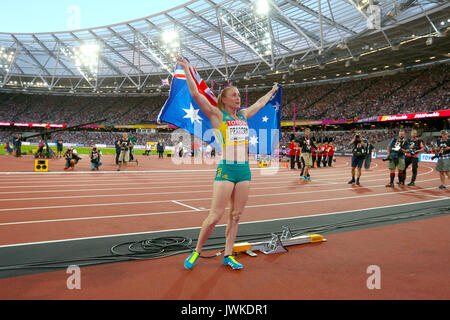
point(95, 159)
point(71, 157)
point(396, 156)
point(125, 146)
point(359, 154)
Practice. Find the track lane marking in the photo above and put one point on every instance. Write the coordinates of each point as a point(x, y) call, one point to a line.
point(199, 199)
point(198, 228)
point(247, 207)
point(185, 205)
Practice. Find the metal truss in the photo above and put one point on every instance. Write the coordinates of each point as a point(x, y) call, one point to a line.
point(224, 39)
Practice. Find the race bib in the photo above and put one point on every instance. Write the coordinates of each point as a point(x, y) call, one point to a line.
point(237, 130)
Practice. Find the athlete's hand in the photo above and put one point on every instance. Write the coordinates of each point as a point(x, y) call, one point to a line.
point(275, 88)
point(182, 61)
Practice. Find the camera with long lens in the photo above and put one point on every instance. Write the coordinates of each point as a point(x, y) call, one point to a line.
point(412, 148)
point(439, 154)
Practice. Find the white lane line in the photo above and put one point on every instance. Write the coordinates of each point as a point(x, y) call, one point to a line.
point(152, 179)
point(249, 206)
point(197, 199)
point(185, 205)
point(153, 184)
point(178, 184)
point(222, 225)
point(173, 171)
point(163, 193)
point(264, 174)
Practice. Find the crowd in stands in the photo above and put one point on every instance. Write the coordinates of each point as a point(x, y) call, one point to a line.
point(73, 110)
point(404, 92)
point(90, 138)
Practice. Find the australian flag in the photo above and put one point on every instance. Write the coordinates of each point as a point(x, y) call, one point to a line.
point(265, 128)
point(182, 111)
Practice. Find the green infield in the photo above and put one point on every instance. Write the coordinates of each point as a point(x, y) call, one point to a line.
point(80, 150)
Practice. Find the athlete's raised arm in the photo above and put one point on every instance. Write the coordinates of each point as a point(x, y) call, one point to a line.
point(261, 103)
point(212, 112)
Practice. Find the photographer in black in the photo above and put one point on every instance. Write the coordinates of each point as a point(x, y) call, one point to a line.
point(59, 148)
point(71, 157)
point(95, 156)
point(125, 146)
point(416, 146)
point(160, 149)
point(368, 159)
point(396, 157)
point(117, 146)
point(17, 141)
point(306, 144)
point(359, 152)
point(442, 152)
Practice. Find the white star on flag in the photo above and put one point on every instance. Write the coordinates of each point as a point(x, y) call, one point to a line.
point(254, 140)
point(265, 119)
point(192, 114)
point(276, 106)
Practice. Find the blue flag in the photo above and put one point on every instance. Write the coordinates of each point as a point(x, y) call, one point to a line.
point(265, 127)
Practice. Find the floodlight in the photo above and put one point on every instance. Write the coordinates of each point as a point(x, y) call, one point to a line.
point(262, 7)
point(163, 48)
point(86, 59)
point(7, 58)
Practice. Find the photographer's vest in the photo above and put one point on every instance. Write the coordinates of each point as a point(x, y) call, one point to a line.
point(95, 157)
point(307, 145)
point(441, 143)
point(122, 148)
point(414, 145)
point(359, 150)
point(395, 144)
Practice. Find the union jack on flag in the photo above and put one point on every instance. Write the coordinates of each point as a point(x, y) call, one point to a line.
point(203, 87)
point(181, 109)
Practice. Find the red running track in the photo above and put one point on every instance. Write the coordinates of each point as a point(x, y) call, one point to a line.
point(48, 207)
point(58, 206)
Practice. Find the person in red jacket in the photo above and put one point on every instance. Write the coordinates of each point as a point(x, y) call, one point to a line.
point(292, 151)
point(330, 152)
point(319, 152)
point(325, 152)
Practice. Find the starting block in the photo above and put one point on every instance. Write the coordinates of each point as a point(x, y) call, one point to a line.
point(277, 244)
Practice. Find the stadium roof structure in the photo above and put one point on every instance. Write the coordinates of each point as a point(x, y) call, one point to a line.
point(249, 42)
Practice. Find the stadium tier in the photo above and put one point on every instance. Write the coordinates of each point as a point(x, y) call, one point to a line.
point(424, 90)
